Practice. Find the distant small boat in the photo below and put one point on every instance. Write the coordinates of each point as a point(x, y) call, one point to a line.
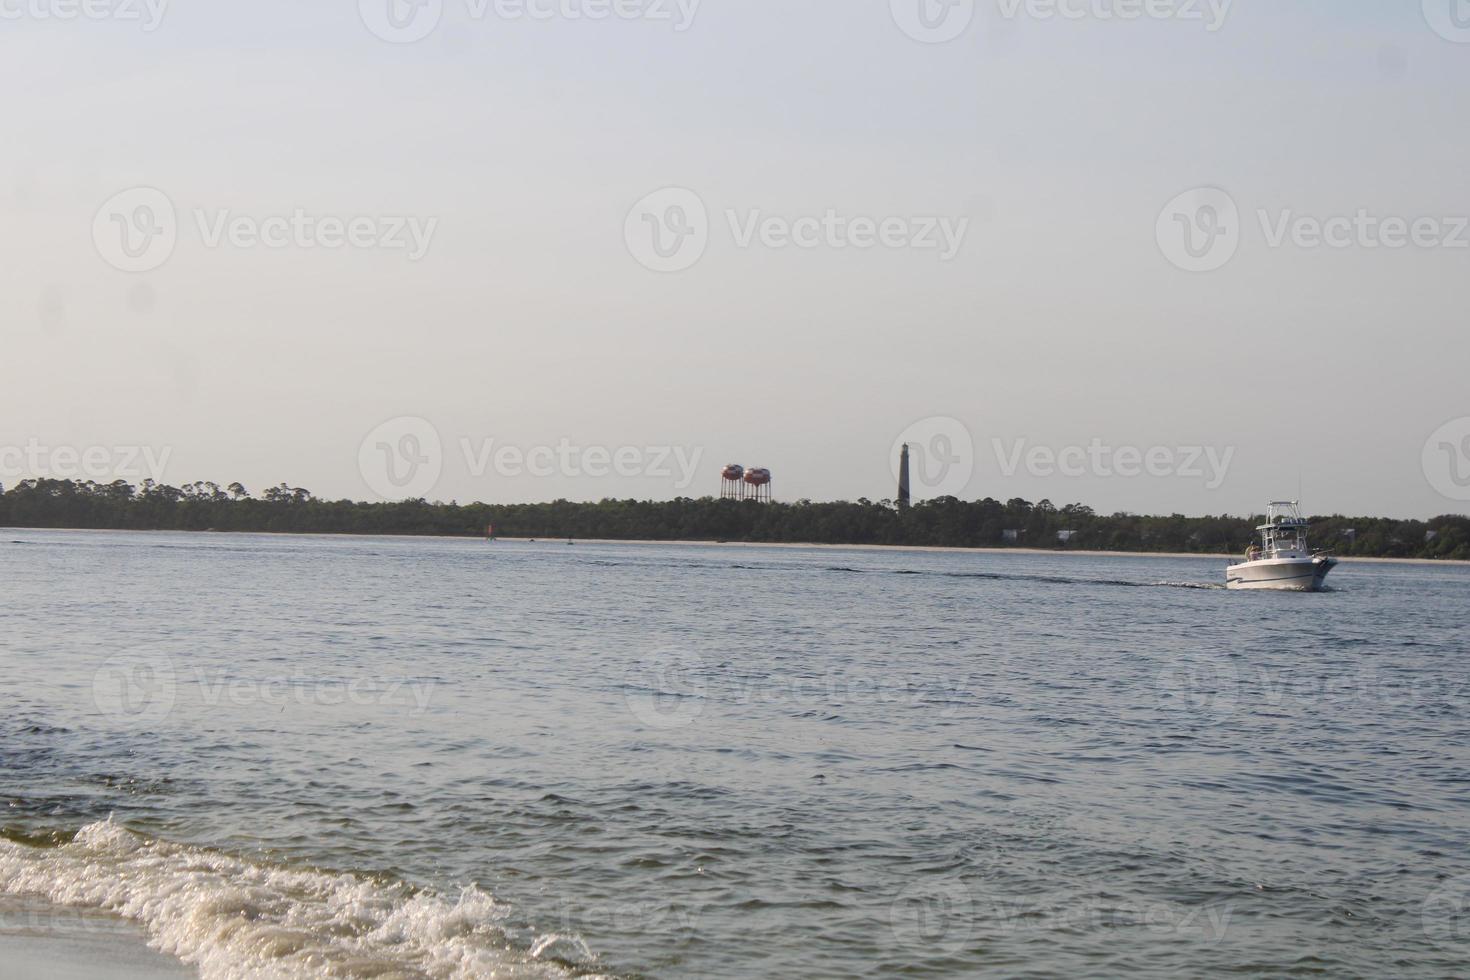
point(1282, 560)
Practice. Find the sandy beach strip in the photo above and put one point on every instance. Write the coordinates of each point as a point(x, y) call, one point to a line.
point(42, 941)
point(921, 548)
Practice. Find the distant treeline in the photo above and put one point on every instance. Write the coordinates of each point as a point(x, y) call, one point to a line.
point(945, 522)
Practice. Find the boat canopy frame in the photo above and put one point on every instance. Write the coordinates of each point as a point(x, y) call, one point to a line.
point(1285, 528)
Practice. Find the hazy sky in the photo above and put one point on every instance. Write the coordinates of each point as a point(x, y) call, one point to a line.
point(467, 229)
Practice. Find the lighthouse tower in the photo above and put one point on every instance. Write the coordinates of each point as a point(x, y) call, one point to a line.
point(903, 477)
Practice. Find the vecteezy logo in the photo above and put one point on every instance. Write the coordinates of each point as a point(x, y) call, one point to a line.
point(135, 687)
point(1450, 19)
point(936, 915)
point(667, 689)
point(1445, 916)
point(402, 459)
point(933, 21)
point(1200, 689)
point(136, 230)
point(1199, 231)
point(1446, 459)
point(668, 230)
point(401, 21)
point(941, 456)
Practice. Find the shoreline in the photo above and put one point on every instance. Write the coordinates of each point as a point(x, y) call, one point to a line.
point(792, 545)
point(40, 940)
point(942, 549)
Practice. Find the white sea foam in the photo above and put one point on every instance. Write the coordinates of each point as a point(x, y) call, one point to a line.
point(235, 918)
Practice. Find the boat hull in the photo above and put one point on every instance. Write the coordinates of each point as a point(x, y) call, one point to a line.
point(1281, 574)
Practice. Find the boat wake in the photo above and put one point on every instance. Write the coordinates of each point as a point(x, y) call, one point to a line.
point(1206, 586)
point(934, 573)
point(236, 918)
point(1057, 579)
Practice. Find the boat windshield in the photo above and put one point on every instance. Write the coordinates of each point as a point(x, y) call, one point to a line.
point(1286, 536)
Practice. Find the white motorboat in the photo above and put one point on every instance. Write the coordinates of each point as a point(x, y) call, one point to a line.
point(1282, 560)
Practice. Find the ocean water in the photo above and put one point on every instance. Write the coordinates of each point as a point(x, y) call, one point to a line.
point(381, 757)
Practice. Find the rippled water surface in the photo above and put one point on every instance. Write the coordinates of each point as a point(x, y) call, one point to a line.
point(405, 757)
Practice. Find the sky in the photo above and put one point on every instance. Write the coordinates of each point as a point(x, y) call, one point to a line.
point(1174, 256)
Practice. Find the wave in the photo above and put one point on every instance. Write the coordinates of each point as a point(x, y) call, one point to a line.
point(234, 918)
